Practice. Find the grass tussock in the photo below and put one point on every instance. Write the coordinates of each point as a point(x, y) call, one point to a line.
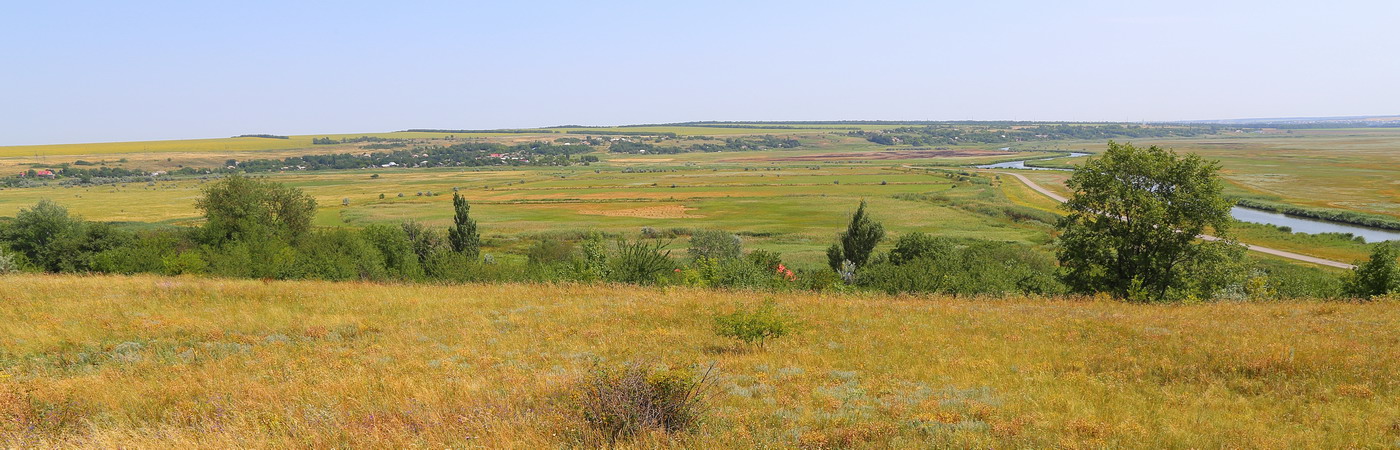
point(619, 402)
point(187, 362)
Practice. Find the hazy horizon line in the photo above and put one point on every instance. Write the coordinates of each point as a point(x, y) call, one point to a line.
point(1233, 121)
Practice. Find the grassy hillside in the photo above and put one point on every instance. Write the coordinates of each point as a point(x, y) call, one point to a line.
point(186, 362)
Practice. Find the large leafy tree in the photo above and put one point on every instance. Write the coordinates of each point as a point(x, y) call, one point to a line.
point(463, 235)
point(858, 242)
point(238, 208)
point(1133, 224)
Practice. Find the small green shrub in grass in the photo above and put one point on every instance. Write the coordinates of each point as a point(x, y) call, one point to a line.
point(640, 262)
point(755, 326)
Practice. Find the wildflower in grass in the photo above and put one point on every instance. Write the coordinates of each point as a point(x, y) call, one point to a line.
point(785, 273)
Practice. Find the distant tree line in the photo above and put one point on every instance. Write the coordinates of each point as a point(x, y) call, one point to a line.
point(953, 135)
point(267, 136)
point(981, 123)
point(466, 154)
point(729, 145)
point(742, 126)
point(504, 130)
point(666, 134)
point(354, 140)
point(537, 153)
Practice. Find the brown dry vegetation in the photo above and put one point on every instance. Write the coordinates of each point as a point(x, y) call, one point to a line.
point(188, 362)
point(650, 212)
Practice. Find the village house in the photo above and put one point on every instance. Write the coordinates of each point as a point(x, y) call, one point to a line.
point(40, 173)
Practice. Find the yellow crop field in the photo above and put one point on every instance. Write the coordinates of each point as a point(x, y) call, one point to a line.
point(145, 361)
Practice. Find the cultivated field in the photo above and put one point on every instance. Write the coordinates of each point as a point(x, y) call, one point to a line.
point(189, 362)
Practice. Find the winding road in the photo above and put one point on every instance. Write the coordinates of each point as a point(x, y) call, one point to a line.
point(1266, 250)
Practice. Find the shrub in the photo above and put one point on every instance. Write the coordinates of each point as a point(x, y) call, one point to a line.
point(1288, 280)
point(396, 250)
point(451, 266)
point(143, 254)
point(979, 267)
point(550, 251)
point(251, 258)
point(593, 265)
point(768, 260)
point(46, 236)
point(1378, 276)
point(754, 326)
point(426, 241)
point(619, 402)
point(715, 244)
point(8, 264)
point(917, 245)
point(730, 273)
point(338, 255)
point(820, 281)
point(182, 263)
point(640, 262)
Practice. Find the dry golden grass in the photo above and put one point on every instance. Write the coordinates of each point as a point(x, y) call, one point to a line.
point(188, 362)
point(650, 212)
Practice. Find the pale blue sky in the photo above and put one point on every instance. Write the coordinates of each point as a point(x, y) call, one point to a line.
point(103, 71)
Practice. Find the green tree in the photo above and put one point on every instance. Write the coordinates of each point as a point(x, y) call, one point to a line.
point(463, 235)
point(1133, 224)
point(426, 241)
point(397, 249)
point(238, 208)
point(858, 242)
point(912, 246)
point(46, 236)
point(1377, 276)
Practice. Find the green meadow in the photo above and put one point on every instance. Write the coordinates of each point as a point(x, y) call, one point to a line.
point(791, 200)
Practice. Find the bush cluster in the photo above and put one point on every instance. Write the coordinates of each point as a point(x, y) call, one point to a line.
point(259, 229)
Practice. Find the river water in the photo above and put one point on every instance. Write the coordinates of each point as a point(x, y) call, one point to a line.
point(1243, 214)
point(1021, 164)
